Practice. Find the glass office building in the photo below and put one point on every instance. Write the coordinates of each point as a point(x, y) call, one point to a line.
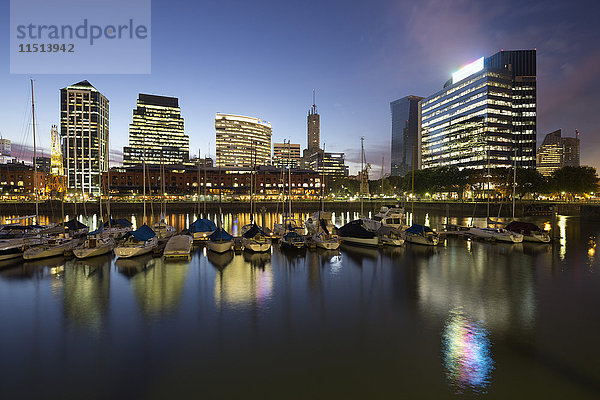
point(156, 134)
point(242, 141)
point(405, 134)
point(484, 115)
point(286, 155)
point(84, 136)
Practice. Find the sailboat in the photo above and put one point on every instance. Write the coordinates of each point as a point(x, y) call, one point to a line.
point(220, 241)
point(494, 234)
point(291, 240)
point(141, 241)
point(319, 224)
point(95, 244)
point(162, 228)
point(254, 237)
point(360, 231)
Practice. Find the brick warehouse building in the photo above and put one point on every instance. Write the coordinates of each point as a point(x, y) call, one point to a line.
point(235, 182)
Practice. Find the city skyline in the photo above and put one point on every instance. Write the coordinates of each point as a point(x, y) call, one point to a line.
point(379, 61)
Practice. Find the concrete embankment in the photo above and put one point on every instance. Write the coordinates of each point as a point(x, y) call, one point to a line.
point(464, 209)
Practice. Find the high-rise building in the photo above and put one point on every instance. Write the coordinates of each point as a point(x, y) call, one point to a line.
point(484, 115)
point(42, 163)
point(156, 133)
point(84, 136)
point(286, 155)
point(313, 128)
point(5, 149)
point(557, 152)
point(242, 141)
point(405, 134)
point(330, 164)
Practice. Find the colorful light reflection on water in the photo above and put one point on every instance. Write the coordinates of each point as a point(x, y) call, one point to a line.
point(466, 351)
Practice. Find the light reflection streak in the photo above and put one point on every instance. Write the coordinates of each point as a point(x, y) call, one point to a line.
point(466, 351)
point(562, 227)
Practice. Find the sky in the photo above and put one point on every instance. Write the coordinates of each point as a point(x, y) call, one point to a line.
point(264, 58)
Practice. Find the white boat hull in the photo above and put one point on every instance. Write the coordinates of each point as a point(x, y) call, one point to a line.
point(136, 250)
point(98, 251)
point(360, 241)
point(257, 247)
point(201, 235)
point(44, 251)
point(507, 237)
point(391, 241)
point(536, 238)
point(327, 245)
point(220, 247)
point(418, 239)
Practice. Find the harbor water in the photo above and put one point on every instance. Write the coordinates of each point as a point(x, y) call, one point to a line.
point(463, 319)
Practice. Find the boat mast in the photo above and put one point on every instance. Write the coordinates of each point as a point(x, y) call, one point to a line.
point(108, 183)
point(412, 203)
point(382, 163)
point(144, 178)
point(198, 186)
point(362, 174)
point(488, 187)
point(35, 176)
point(204, 184)
point(514, 191)
point(163, 207)
point(322, 179)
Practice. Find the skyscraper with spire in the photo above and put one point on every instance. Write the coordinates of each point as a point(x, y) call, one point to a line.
point(313, 121)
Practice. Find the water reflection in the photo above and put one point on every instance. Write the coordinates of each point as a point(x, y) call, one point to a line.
point(466, 352)
point(86, 291)
point(242, 285)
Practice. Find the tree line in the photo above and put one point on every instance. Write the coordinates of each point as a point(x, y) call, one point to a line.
point(467, 183)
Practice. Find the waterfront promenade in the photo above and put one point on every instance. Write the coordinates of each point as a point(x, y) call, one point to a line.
point(455, 208)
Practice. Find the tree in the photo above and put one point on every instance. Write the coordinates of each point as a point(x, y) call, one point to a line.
point(575, 180)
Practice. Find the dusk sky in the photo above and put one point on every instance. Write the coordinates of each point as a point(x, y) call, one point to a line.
point(264, 58)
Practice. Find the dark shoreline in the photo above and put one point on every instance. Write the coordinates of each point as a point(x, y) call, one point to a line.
point(478, 209)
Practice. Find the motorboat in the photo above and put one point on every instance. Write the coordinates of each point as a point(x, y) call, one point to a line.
point(179, 246)
point(220, 241)
point(141, 241)
point(421, 234)
point(163, 230)
point(255, 239)
point(389, 236)
point(387, 216)
point(52, 247)
point(202, 228)
point(531, 232)
point(94, 245)
point(355, 232)
point(496, 234)
point(292, 241)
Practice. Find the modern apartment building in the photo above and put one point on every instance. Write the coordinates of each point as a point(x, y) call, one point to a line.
point(242, 141)
point(84, 136)
point(286, 155)
point(156, 134)
point(484, 115)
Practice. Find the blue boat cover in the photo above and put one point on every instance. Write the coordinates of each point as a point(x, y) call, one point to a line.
point(143, 233)
point(97, 231)
point(220, 234)
point(203, 225)
point(418, 229)
point(356, 229)
point(255, 230)
point(119, 222)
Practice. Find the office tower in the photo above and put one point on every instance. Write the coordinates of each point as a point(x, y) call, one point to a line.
point(484, 115)
point(557, 152)
point(286, 155)
point(242, 141)
point(313, 128)
point(42, 163)
point(331, 164)
point(405, 134)
point(84, 136)
point(156, 133)
point(5, 150)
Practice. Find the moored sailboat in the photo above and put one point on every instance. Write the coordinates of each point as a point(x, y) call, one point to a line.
point(141, 241)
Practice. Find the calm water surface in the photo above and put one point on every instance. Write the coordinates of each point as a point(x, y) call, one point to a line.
point(465, 319)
